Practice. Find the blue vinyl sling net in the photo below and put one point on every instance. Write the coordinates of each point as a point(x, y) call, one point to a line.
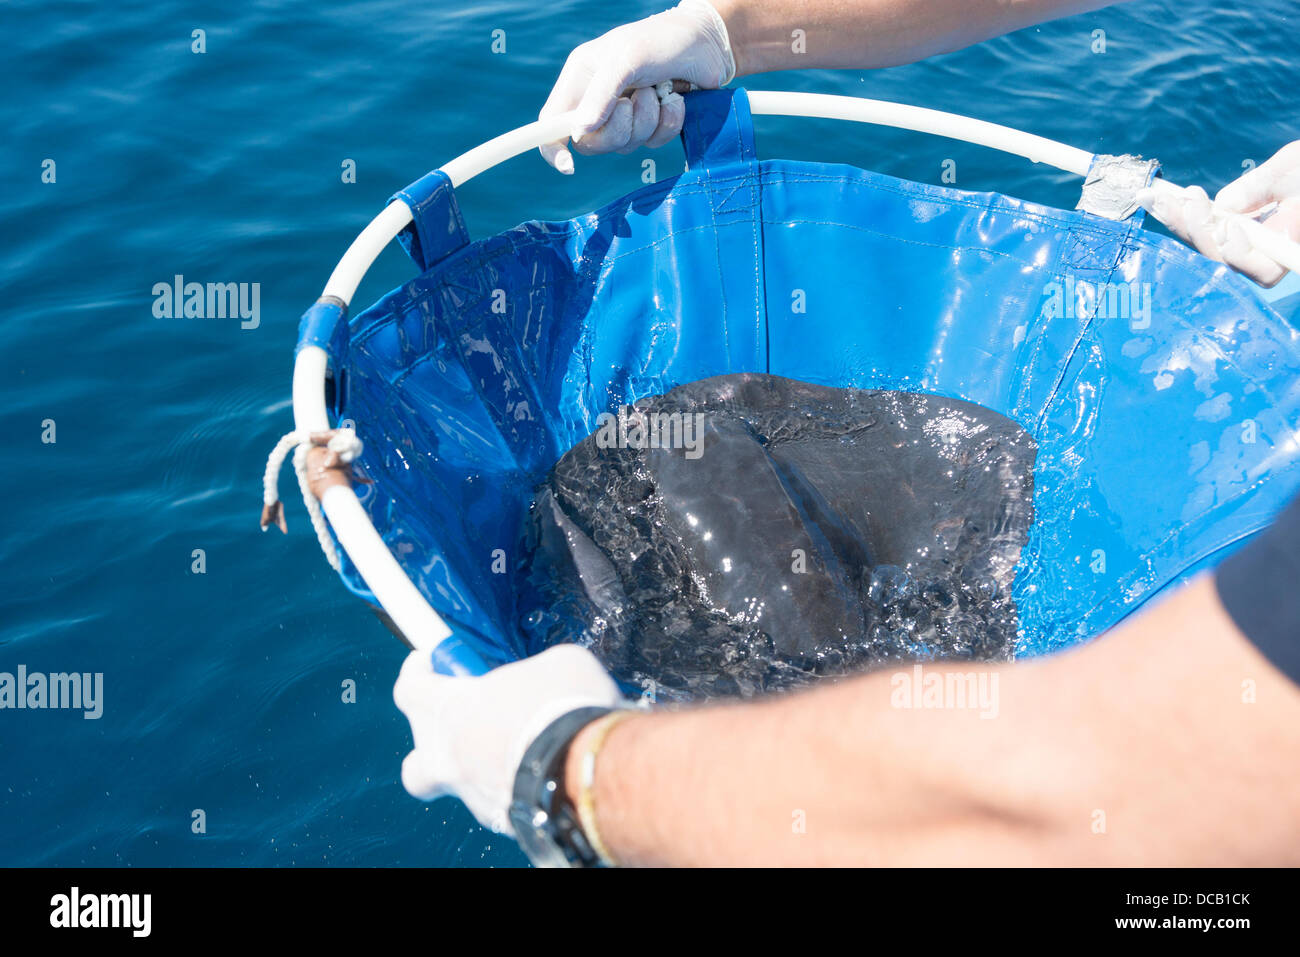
point(1166, 420)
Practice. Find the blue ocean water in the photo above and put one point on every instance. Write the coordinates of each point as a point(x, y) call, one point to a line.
point(223, 691)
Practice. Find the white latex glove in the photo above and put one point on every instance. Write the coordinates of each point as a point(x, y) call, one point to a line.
point(1190, 214)
point(611, 81)
point(471, 733)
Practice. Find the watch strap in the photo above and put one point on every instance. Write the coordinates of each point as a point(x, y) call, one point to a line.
point(545, 825)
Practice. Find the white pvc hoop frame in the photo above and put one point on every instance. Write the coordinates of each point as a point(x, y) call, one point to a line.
point(409, 610)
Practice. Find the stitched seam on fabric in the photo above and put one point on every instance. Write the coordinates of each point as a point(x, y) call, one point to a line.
point(722, 284)
point(1064, 368)
point(907, 187)
point(740, 184)
point(425, 295)
point(1037, 348)
point(760, 271)
point(1179, 567)
point(789, 175)
point(712, 181)
point(909, 242)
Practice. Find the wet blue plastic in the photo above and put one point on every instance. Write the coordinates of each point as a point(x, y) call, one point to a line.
point(1163, 443)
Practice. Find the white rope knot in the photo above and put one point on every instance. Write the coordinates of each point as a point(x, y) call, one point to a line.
point(344, 448)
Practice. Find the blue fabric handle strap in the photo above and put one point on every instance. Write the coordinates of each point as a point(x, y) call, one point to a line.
point(436, 231)
point(718, 128)
point(437, 228)
point(454, 656)
point(325, 325)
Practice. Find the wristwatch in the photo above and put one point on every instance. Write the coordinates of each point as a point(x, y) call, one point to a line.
point(546, 825)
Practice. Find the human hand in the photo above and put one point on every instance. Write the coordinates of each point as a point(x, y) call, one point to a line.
point(611, 81)
point(471, 733)
point(1269, 193)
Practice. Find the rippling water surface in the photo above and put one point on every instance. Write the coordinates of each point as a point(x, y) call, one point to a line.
point(223, 689)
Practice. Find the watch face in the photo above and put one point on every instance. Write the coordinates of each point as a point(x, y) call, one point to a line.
point(536, 834)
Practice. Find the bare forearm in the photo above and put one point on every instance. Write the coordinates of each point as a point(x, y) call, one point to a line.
point(1138, 749)
point(833, 776)
point(868, 34)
